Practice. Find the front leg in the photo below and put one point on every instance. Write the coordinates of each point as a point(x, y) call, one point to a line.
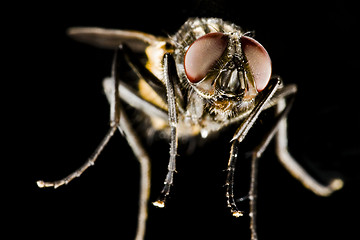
point(170, 79)
point(239, 136)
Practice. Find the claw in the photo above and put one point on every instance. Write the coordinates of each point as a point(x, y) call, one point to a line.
point(40, 184)
point(159, 204)
point(238, 214)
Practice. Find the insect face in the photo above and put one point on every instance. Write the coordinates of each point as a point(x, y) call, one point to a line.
point(223, 63)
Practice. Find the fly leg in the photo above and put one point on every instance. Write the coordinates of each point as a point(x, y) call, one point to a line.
point(279, 130)
point(114, 122)
point(170, 79)
point(86, 165)
point(112, 87)
point(173, 96)
point(144, 160)
point(294, 168)
point(230, 180)
point(239, 136)
point(119, 120)
point(256, 154)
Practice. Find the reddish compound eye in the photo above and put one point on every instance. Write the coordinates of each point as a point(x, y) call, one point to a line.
point(203, 54)
point(258, 60)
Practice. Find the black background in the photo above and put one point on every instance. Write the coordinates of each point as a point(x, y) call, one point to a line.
point(59, 114)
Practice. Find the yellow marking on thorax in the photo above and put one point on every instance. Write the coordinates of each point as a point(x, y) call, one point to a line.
point(155, 54)
point(148, 94)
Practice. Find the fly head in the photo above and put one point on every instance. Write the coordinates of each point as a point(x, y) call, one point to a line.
point(220, 62)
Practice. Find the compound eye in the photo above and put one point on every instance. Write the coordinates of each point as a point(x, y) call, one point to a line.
point(258, 60)
point(203, 54)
